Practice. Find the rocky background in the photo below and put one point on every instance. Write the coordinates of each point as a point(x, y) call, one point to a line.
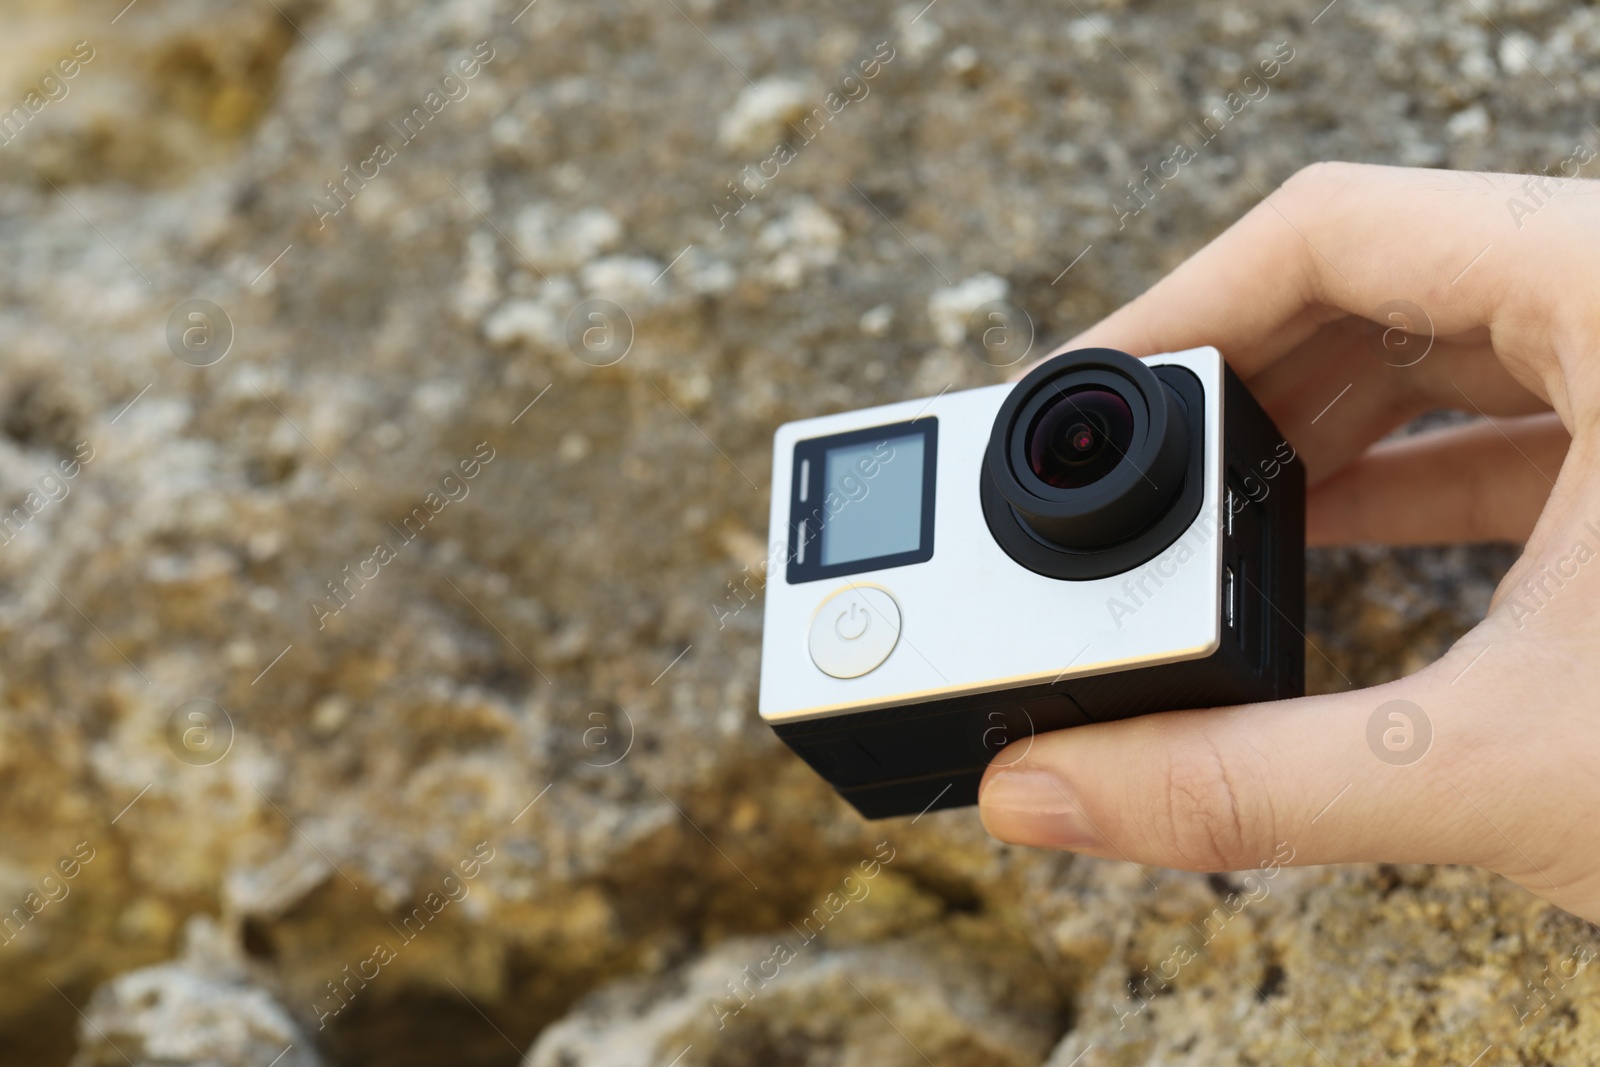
point(532, 736)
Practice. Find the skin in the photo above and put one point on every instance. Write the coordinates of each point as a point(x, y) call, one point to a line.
point(1511, 779)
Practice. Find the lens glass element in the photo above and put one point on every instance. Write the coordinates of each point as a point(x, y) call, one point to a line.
point(1079, 436)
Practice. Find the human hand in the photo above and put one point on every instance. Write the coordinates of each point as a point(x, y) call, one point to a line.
point(1289, 294)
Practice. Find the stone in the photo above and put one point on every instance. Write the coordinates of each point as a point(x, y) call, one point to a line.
point(949, 308)
point(755, 1000)
point(200, 1011)
point(761, 111)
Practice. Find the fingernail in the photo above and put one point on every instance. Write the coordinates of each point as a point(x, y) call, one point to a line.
point(1034, 807)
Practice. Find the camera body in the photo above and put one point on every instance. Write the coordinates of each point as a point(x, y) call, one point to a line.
point(1108, 537)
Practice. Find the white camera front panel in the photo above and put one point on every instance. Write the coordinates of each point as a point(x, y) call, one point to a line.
point(971, 619)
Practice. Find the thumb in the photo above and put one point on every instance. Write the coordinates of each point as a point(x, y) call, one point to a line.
point(1227, 788)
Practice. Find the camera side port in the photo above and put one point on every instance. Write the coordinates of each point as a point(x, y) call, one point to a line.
point(1249, 562)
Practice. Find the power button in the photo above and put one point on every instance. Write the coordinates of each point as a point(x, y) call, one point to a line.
point(854, 631)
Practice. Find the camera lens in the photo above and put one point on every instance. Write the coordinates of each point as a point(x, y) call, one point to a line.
point(1079, 437)
point(1086, 458)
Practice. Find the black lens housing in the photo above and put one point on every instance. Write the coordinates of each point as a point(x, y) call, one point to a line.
point(1112, 512)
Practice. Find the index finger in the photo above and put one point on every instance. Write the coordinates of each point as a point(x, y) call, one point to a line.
point(1341, 238)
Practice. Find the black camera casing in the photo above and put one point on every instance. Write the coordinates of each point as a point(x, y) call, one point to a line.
point(917, 620)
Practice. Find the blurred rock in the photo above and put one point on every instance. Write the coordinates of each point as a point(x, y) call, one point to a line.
point(892, 1003)
point(200, 1011)
point(949, 308)
point(145, 99)
point(762, 111)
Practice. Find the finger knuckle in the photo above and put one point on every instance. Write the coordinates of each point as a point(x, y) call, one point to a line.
point(1314, 180)
point(1206, 827)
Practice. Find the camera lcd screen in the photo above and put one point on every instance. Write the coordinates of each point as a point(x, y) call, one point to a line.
point(863, 500)
point(880, 485)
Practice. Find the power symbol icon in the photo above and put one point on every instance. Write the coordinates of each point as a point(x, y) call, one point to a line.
point(852, 624)
point(853, 631)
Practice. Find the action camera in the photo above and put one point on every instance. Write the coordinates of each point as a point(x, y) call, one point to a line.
point(1107, 537)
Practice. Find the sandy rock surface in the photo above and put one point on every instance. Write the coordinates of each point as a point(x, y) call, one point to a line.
point(400, 611)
